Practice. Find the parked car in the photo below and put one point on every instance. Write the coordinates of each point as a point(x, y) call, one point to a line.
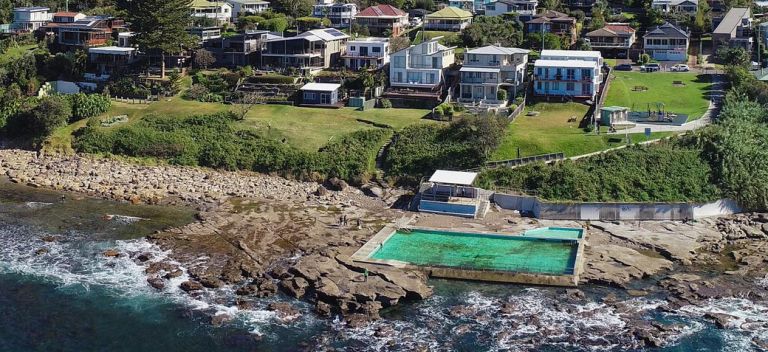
point(680, 68)
point(623, 67)
point(650, 68)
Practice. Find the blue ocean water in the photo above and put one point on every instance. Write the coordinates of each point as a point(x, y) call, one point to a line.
point(70, 297)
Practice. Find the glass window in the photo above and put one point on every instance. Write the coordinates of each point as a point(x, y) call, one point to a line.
point(352, 48)
point(376, 49)
point(399, 61)
point(569, 86)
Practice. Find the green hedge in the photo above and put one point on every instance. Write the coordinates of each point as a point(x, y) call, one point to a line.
point(659, 173)
point(215, 141)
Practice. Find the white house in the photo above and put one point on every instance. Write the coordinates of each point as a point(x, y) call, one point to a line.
point(488, 70)
point(366, 52)
point(341, 15)
point(108, 59)
point(685, 6)
point(568, 73)
point(666, 42)
point(524, 8)
point(216, 10)
point(420, 65)
point(30, 18)
point(247, 7)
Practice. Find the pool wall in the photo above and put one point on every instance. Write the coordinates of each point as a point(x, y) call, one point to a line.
point(363, 255)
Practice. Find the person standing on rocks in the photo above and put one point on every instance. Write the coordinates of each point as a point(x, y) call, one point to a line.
point(365, 275)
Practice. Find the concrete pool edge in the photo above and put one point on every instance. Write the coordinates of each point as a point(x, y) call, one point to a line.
point(364, 253)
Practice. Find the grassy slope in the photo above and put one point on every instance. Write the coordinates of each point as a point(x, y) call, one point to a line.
point(15, 52)
point(690, 100)
point(550, 132)
point(305, 128)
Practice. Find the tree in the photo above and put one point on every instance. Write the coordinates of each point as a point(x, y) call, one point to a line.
point(294, 8)
point(160, 25)
point(582, 44)
point(644, 59)
point(490, 30)
point(397, 43)
point(245, 102)
point(550, 4)
point(551, 41)
point(203, 58)
point(428, 5)
point(733, 56)
point(49, 114)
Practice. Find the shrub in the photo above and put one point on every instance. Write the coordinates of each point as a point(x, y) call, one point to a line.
point(501, 94)
point(644, 59)
point(88, 105)
point(385, 103)
point(273, 79)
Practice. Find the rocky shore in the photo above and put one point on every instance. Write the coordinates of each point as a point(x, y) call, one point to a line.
point(263, 236)
point(125, 181)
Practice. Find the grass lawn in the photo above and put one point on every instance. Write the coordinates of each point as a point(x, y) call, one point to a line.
point(305, 128)
point(15, 52)
point(550, 132)
point(690, 99)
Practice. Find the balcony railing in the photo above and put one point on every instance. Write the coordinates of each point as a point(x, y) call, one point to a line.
point(479, 80)
point(610, 44)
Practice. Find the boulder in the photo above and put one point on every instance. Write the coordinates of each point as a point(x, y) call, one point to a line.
point(247, 290)
point(211, 282)
point(721, 320)
point(267, 287)
point(111, 253)
point(173, 274)
point(323, 309)
point(143, 257)
point(156, 282)
point(321, 191)
point(190, 286)
point(337, 184)
point(219, 319)
point(284, 311)
point(41, 251)
point(295, 287)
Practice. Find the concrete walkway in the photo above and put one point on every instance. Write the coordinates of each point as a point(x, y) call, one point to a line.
point(716, 95)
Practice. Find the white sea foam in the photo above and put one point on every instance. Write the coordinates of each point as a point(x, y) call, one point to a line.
point(748, 320)
point(36, 205)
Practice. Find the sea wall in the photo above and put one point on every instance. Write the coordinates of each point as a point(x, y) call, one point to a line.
point(614, 211)
point(120, 180)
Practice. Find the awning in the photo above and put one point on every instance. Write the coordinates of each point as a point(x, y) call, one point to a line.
point(453, 177)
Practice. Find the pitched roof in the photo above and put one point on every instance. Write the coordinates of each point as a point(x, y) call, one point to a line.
point(324, 87)
point(382, 11)
point(666, 30)
point(450, 12)
point(731, 20)
point(613, 30)
point(550, 14)
point(497, 50)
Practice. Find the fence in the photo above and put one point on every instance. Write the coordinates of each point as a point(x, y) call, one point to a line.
point(613, 211)
point(525, 160)
point(147, 100)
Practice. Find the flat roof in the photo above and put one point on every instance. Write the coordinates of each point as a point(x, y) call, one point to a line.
point(326, 87)
point(453, 177)
point(571, 53)
point(110, 50)
point(565, 63)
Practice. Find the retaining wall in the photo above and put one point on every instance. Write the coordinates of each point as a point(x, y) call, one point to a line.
point(614, 211)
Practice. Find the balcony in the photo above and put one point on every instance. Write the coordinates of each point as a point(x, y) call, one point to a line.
point(480, 80)
point(600, 44)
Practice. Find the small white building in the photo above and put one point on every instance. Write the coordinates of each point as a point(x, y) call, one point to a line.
point(682, 6)
point(124, 39)
point(30, 18)
point(488, 70)
point(320, 94)
point(421, 65)
point(524, 8)
point(366, 52)
point(247, 7)
point(568, 74)
point(666, 43)
point(452, 193)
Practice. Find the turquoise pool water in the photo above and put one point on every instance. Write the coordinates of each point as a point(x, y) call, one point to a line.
point(540, 255)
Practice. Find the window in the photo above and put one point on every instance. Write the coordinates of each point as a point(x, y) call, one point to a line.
point(414, 77)
point(555, 85)
point(376, 49)
point(539, 71)
point(399, 61)
point(569, 86)
point(585, 74)
point(571, 73)
point(586, 88)
point(309, 96)
point(352, 48)
point(538, 85)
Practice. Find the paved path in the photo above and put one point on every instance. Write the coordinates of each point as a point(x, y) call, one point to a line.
point(716, 95)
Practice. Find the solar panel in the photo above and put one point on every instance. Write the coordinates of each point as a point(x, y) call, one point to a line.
point(334, 32)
